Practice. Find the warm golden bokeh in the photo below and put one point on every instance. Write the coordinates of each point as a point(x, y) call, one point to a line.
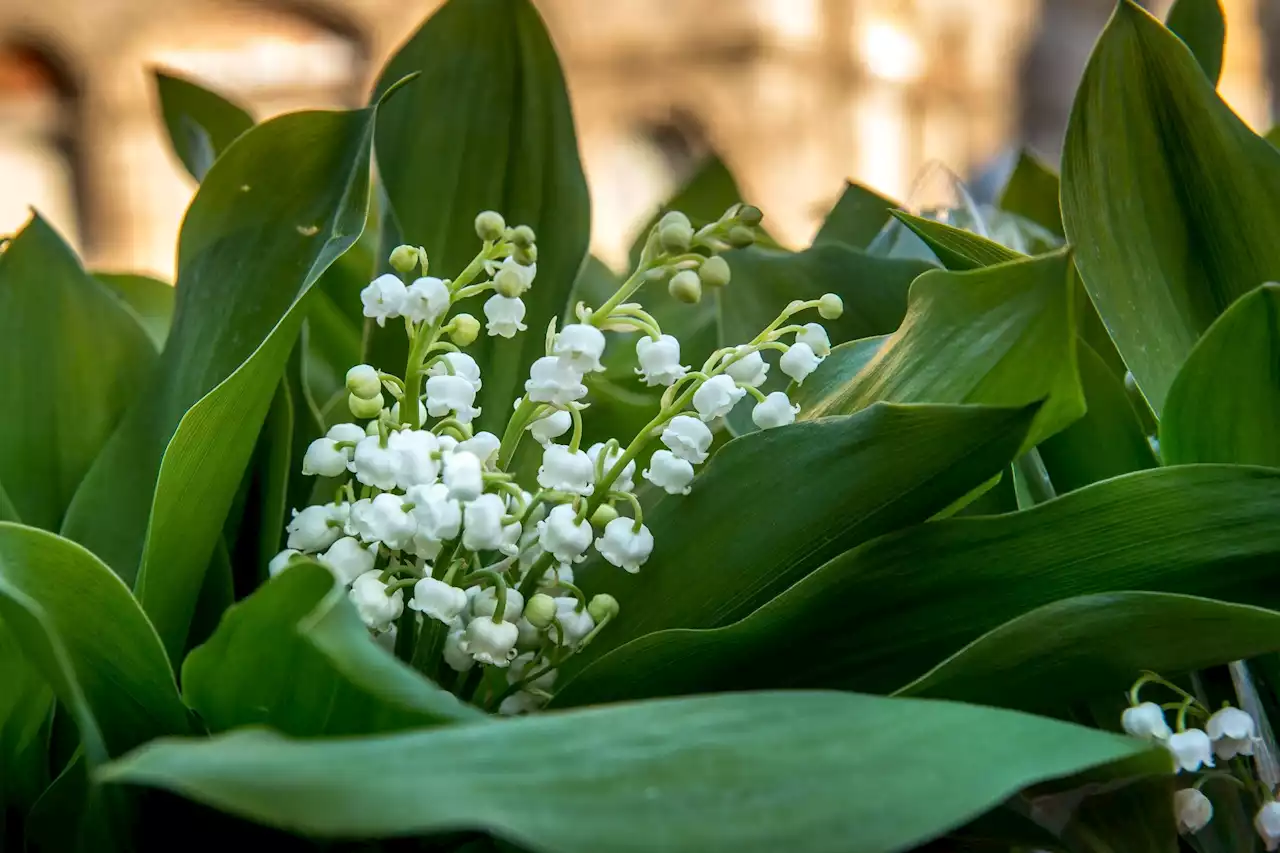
point(796, 95)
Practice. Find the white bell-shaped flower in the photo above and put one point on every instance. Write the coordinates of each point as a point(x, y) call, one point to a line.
point(563, 536)
point(438, 600)
point(395, 416)
point(377, 609)
point(659, 360)
point(526, 272)
point(1192, 809)
point(490, 642)
point(483, 446)
point(774, 411)
point(281, 561)
point(346, 432)
point(624, 546)
point(484, 603)
point(553, 381)
point(520, 669)
point(626, 480)
point(574, 624)
point(669, 472)
point(688, 438)
point(457, 659)
point(798, 362)
point(504, 315)
point(348, 559)
point(519, 703)
point(1267, 823)
point(313, 529)
point(716, 397)
point(750, 369)
point(510, 544)
point(437, 516)
point(1146, 720)
point(375, 465)
point(325, 459)
point(358, 519)
point(426, 300)
point(415, 451)
point(566, 470)
point(1191, 749)
point(550, 426)
point(386, 521)
point(482, 523)
point(1233, 733)
point(580, 345)
point(384, 298)
point(451, 394)
point(458, 364)
point(463, 475)
point(815, 337)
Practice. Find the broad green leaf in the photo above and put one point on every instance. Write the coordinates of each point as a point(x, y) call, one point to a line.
point(958, 250)
point(856, 219)
point(276, 209)
point(81, 628)
point(1001, 336)
point(150, 298)
point(1224, 405)
point(26, 706)
point(260, 532)
point(1107, 442)
point(882, 615)
point(294, 656)
point(201, 123)
point(836, 371)
point(848, 480)
point(1273, 135)
point(1203, 27)
point(72, 358)
point(1032, 192)
point(748, 774)
point(486, 126)
point(1172, 202)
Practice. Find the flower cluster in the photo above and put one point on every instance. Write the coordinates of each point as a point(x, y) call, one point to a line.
point(445, 554)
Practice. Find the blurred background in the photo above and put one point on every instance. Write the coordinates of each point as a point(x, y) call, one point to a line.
point(795, 96)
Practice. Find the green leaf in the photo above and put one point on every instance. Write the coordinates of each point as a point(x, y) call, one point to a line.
point(701, 775)
point(1224, 405)
point(849, 479)
point(72, 357)
point(1172, 201)
point(81, 628)
point(836, 371)
point(294, 656)
point(1203, 27)
point(150, 299)
point(1273, 135)
point(1001, 336)
point(201, 123)
point(1032, 192)
point(880, 616)
point(486, 126)
point(26, 706)
point(856, 219)
point(958, 250)
point(272, 214)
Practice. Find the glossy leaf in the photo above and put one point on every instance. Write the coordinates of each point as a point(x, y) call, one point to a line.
point(246, 259)
point(958, 250)
point(1146, 119)
point(856, 219)
point(71, 360)
point(150, 299)
point(81, 628)
point(486, 126)
point(1224, 405)
point(201, 123)
point(836, 371)
point(849, 479)
point(749, 774)
point(26, 706)
point(1001, 336)
point(884, 614)
point(1203, 27)
point(1032, 192)
point(294, 656)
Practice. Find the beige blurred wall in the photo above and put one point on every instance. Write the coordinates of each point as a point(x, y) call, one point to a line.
point(796, 95)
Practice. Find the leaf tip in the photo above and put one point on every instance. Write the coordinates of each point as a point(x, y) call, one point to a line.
point(397, 86)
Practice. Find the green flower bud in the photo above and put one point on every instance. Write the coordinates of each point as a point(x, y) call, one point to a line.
point(363, 407)
point(540, 609)
point(363, 382)
point(509, 282)
point(673, 217)
point(603, 606)
point(740, 237)
point(522, 235)
point(404, 259)
point(714, 272)
point(602, 516)
point(525, 255)
point(830, 306)
point(676, 237)
point(463, 330)
point(686, 287)
point(490, 226)
point(750, 215)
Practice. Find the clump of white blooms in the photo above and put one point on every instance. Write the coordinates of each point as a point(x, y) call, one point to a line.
point(429, 529)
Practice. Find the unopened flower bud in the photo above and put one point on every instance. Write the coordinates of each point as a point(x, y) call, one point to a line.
point(740, 237)
point(686, 287)
point(464, 329)
point(364, 408)
point(363, 381)
point(750, 215)
point(603, 606)
point(526, 256)
point(490, 226)
point(673, 217)
point(404, 258)
point(714, 272)
point(830, 306)
point(509, 282)
point(602, 516)
point(676, 237)
point(522, 235)
point(540, 609)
